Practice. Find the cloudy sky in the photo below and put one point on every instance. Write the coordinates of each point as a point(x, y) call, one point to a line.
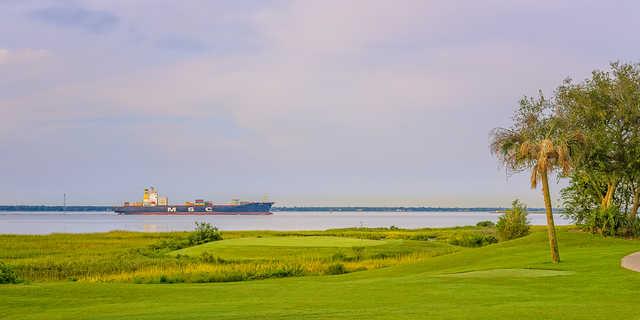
point(309, 102)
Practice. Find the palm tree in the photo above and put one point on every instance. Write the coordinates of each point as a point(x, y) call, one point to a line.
point(535, 143)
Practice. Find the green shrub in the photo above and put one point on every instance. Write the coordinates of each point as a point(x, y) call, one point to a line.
point(485, 224)
point(634, 227)
point(513, 224)
point(336, 268)
point(167, 245)
point(358, 252)
point(206, 257)
point(385, 255)
point(286, 271)
point(7, 275)
point(204, 233)
point(339, 256)
point(610, 222)
point(472, 240)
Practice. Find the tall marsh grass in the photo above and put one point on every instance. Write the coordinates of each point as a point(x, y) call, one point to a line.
point(144, 257)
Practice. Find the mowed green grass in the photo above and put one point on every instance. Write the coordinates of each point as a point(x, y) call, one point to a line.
point(311, 241)
point(510, 273)
point(590, 285)
point(293, 247)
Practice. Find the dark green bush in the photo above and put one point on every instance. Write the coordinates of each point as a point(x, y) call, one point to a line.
point(610, 222)
point(286, 271)
point(336, 268)
point(385, 255)
point(206, 257)
point(339, 256)
point(485, 224)
point(204, 233)
point(513, 224)
point(358, 252)
point(7, 275)
point(472, 240)
point(168, 245)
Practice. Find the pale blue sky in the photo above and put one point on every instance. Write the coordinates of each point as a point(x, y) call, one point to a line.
point(310, 102)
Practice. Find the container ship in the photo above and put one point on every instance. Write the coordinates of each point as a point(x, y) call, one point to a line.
point(153, 204)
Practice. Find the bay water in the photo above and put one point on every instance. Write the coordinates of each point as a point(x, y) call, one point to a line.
point(86, 222)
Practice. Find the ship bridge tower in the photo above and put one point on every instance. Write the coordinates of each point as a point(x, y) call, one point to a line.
point(150, 197)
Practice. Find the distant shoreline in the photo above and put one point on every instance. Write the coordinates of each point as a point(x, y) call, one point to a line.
point(43, 208)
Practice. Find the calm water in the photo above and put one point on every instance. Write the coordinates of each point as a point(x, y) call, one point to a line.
point(49, 222)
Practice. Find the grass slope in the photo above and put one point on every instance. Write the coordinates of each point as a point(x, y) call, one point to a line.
point(593, 286)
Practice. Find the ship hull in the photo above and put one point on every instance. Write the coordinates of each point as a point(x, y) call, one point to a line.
point(253, 208)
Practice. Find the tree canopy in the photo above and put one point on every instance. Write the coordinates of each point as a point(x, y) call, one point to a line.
point(605, 110)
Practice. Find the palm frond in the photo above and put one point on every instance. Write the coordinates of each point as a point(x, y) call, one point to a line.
point(534, 177)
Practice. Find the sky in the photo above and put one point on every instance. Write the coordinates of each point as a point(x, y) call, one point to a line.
point(305, 102)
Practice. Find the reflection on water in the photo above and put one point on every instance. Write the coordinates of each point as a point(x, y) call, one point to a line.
point(150, 228)
point(44, 223)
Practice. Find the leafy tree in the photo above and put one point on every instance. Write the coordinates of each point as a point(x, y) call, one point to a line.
point(581, 199)
point(537, 143)
point(605, 110)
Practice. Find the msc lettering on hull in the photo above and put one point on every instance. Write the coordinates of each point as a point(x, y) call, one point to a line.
point(189, 209)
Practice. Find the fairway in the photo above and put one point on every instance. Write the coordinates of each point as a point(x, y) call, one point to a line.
point(312, 241)
point(308, 247)
point(510, 273)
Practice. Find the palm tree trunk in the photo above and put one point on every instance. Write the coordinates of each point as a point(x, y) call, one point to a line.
point(551, 228)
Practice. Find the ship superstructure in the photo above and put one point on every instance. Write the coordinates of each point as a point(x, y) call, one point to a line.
point(153, 204)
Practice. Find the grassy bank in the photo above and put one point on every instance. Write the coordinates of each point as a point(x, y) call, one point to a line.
point(508, 280)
